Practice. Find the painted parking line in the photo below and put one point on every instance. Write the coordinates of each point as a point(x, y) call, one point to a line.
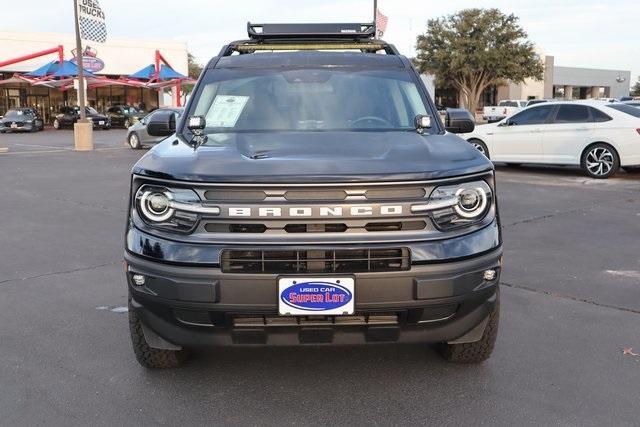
point(43, 146)
point(58, 150)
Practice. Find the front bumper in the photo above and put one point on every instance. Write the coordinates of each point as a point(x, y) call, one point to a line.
point(192, 306)
point(26, 127)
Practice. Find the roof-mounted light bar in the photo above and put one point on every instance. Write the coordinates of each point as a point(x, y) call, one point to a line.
point(246, 48)
point(310, 31)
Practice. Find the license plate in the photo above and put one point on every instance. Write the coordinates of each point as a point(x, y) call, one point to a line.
point(101, 122)
point(14, 125)
point(316, 296)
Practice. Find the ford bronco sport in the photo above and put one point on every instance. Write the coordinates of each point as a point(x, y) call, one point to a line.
point(310, 194)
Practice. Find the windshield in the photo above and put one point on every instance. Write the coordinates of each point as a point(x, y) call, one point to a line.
point(15, 114)
point(507, 104)
point(307, 100)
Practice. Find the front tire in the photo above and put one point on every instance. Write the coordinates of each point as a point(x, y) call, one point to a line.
point(479, 351)
point(148, 357)
point(480, 146)
point(134, 141)
point(600, 161)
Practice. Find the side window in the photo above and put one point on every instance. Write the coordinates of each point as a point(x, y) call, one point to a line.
point(572, 114)
point(598, 116)
point(532, 116)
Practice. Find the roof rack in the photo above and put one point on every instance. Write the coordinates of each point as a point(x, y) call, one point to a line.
point(310, 31)
point(274, 37)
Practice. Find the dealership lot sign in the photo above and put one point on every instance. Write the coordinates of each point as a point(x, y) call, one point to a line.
point(92, 21)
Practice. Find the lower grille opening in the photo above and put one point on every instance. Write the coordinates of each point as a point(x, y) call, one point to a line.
point(315, 261)
point(288, 321)
point(396, 226)
point(235, 228)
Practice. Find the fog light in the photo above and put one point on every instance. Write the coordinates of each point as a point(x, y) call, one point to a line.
point(139, 279)
point(489, 275)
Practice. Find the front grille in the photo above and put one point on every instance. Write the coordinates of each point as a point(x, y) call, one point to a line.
point(315, 261)
point(279, 227)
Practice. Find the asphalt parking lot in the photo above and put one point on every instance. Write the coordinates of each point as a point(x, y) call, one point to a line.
point(571, 304)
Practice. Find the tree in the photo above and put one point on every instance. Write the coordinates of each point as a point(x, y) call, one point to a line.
point(635, 90)
point(194, 70)
point(475, 48)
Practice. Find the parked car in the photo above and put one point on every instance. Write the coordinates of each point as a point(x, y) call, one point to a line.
point(504, 109)
point(138, 136)
point(311, 196)
point(21, 120)
point(124, 115)
point(70, 115)
point(598, 136)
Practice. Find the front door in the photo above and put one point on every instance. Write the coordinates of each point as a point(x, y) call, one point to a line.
point(518, 139)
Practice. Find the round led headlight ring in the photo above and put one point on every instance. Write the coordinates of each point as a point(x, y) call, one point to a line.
point(471, 202)
point(156, 206)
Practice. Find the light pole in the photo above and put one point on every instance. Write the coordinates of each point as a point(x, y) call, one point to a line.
point(83, 129)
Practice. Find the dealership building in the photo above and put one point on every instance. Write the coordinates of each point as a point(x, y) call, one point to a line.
point(557, 83)
point(111, 63)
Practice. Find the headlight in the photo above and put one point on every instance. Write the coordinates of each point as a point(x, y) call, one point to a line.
point(156, 205)
point(175, 209)
point(459, 205)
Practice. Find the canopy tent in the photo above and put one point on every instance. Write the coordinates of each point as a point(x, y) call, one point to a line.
point(57, 69)
point(168, 73)
point(147, 73)
point(152, 75)
point(69, 69)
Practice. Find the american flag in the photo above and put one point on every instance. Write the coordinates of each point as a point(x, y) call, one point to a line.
point(381, 23)
point(92, 21)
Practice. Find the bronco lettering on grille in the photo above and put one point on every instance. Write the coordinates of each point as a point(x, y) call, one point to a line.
point(321, 211)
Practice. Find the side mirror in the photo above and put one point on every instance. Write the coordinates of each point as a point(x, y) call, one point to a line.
point(163, 123)
point(459, 120)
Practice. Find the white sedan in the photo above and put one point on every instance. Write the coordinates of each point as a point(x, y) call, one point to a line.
point(600, 137)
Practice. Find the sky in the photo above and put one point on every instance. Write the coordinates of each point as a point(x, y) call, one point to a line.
point(580, 33)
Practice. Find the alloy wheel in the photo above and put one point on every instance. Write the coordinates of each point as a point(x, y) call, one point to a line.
point(134, 142)
point(600, 161)
point(56, 124)
point(479, 147)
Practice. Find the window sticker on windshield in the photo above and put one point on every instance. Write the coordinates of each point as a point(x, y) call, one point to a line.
point(225, 111)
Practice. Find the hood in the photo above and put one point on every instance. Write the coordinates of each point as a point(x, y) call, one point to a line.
point(305, 157)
